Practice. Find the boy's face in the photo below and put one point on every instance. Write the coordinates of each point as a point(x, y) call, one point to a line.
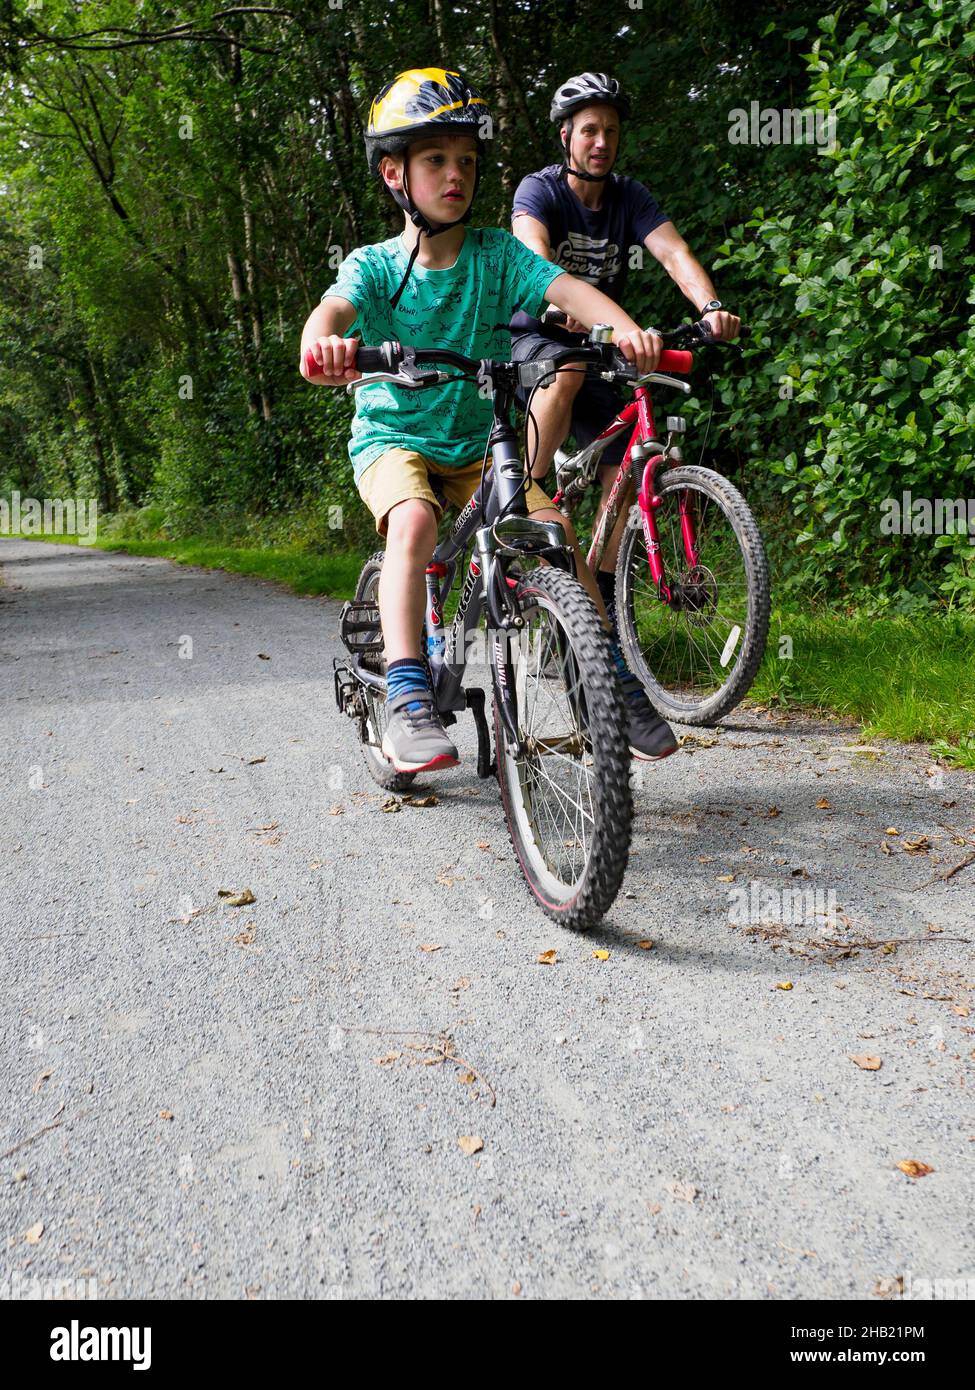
point(440, 171)
point(595, 139)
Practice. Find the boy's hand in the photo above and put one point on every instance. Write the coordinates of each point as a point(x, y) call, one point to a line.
point(330, 361)
point(642, 347)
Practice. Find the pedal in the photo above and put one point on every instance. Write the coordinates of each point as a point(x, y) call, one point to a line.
point(486, 767)
point(360, 627)
point(345, 686)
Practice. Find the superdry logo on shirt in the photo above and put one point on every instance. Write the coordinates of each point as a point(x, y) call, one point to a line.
point(591, 258)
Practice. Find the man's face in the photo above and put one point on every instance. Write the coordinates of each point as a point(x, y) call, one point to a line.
point(595, 139)
point(441, 171)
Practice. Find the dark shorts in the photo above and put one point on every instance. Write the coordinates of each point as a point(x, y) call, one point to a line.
point(594, 406)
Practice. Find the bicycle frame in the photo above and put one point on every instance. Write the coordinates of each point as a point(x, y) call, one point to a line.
point(641, 471)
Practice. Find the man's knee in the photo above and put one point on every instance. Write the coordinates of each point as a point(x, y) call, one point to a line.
point(553, 514)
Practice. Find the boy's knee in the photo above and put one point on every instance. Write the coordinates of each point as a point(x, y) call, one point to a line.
point(412, 526)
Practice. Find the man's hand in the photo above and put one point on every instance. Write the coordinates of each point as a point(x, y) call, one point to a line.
point(723, 325)
point(330, 361)
point(642, 348)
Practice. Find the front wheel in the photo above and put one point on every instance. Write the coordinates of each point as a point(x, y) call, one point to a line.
point(697, 655)
point(565, 787)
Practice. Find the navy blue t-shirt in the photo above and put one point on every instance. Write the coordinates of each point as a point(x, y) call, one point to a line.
point(593, 244)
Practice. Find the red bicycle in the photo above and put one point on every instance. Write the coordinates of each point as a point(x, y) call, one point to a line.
point(692, 584)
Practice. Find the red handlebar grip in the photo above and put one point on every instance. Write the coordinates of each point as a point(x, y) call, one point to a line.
point(673, 361)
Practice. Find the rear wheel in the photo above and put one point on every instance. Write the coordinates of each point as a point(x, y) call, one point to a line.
point(696, 657)
point(374, 702)
point(566, 788)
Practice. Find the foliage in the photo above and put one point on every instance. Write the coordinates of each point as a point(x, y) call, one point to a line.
point(172, 208)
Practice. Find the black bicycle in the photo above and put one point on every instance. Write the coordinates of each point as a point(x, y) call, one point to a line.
point(560, 728)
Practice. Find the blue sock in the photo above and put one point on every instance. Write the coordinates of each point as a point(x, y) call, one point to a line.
point(632, 688)
point(403, 676)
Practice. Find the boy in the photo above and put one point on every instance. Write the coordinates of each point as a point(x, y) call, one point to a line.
point(457, 288)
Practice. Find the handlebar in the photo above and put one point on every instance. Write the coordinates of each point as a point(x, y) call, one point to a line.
point(405, 365)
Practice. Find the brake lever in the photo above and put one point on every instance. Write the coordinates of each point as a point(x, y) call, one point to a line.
point(416, 382)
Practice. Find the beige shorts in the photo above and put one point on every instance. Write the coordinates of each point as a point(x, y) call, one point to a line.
point(400, 474)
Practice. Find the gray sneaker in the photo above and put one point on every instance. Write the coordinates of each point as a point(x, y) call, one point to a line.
point(415, 740)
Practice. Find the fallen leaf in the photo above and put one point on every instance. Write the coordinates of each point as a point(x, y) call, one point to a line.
point(682, 1191)
point(784, 984)
point(962, 1010)
point(890, 1288)
point(251, 761)
point(235, 898)
point(933, 928)
point(34, 1234)
point(336, 810)
point(823, 804)
point(458, 985)
point(921, 845)
point(600, 955)
point(263, 656)
point(470, 1144)
point(165, 1114)
point(421, 801)
point(726, 878)
point(885, 847)
point(866, 1062)
point(774, 811)
point(390, 1057)
point(466, 1078)
point(914, 1168)
point(391, 804)
point(892, 830)
point(547, 958)
point(429, 946)
point(645, 945)
point(45, 1075)
point(483, 844)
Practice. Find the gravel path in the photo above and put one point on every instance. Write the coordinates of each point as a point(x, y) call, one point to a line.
point(205, 1100)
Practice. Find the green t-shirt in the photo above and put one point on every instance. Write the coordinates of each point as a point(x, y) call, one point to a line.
point(467, 308)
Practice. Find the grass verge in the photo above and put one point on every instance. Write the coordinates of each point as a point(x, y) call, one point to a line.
point(303, 570)
point(909, 678)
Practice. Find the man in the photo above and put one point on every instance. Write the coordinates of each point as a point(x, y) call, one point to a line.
point(585, 218)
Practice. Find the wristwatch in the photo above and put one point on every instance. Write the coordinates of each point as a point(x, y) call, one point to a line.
point(710, 307)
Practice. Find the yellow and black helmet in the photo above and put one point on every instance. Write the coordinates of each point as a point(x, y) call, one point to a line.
point(423, 101)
